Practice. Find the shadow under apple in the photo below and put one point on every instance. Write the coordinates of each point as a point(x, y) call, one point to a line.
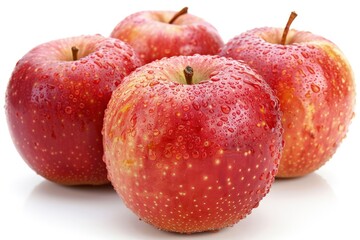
point(290, 206)
point(293, 207)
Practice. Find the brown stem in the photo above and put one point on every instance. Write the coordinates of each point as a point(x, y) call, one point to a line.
point(74, 51)
point(178, 14)
point(188, 72)
point(293, 15)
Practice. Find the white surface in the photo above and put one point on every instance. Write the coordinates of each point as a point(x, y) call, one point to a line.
point(321, 205)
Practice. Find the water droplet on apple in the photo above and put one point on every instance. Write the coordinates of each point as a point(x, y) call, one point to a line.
point(305, 54)
point(195, 105)
point(310, 69)
point(152, 155)
point(215, 78)
point(225, 109)
point(256, 205)
point(118, 45)
point(186, 108)
point(180, 138)
point(231, 130)
point(254, 85)
point(68, 110)
point(295, 56)
point(99, 64)
point(156, 132)
point(213, 73)
point(181, 127)
point(315, 88)
point(262, 176)
point(100, 55)
point(195, 154)
point(149, 77)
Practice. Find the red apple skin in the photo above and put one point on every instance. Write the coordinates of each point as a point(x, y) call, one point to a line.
point(150, 34)
point(192, 158)
point(55, 106)
point(315, 86)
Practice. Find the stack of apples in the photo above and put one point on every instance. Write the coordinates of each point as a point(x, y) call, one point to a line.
point(191, 132)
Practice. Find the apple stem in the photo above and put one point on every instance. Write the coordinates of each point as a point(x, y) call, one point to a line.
point(188, 72)
point(292, 16)
point(178, 14)
point(74, 51)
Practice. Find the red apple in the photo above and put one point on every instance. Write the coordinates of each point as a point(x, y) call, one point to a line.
point(158, 34)
point(192, 143)
point(55, 103)
point(315, 86)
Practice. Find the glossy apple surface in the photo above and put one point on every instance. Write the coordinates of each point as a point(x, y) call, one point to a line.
point(153, 37)
point(192, 157)
point(315, 86)
point(55, 105)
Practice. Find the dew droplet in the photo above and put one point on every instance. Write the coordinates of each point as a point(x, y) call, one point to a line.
point(186, 108)
point(254, 85)
point(224, 119)
point(99, 64)
point(196, 106)
point(68, 110)
point(100, 55)
point(301, 72)
point(262, 176)
point(167, 153)
point(149, 77)
point(213, 73)
point(315, 88)
point(156, 132)
point(152, 155)
point(225, 109)
point(272, 147)
point(215, 78)
point(195, 154)
point(153, 83)
point(305, 54)
point(310, 69)
point(180, 138)
point(181, 127)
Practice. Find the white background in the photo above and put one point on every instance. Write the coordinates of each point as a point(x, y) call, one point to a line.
point(324, 204)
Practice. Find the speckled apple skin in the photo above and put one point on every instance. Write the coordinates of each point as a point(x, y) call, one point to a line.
point(55, 106)
point(315, 86)
point(192, 158)
point(150, 34)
